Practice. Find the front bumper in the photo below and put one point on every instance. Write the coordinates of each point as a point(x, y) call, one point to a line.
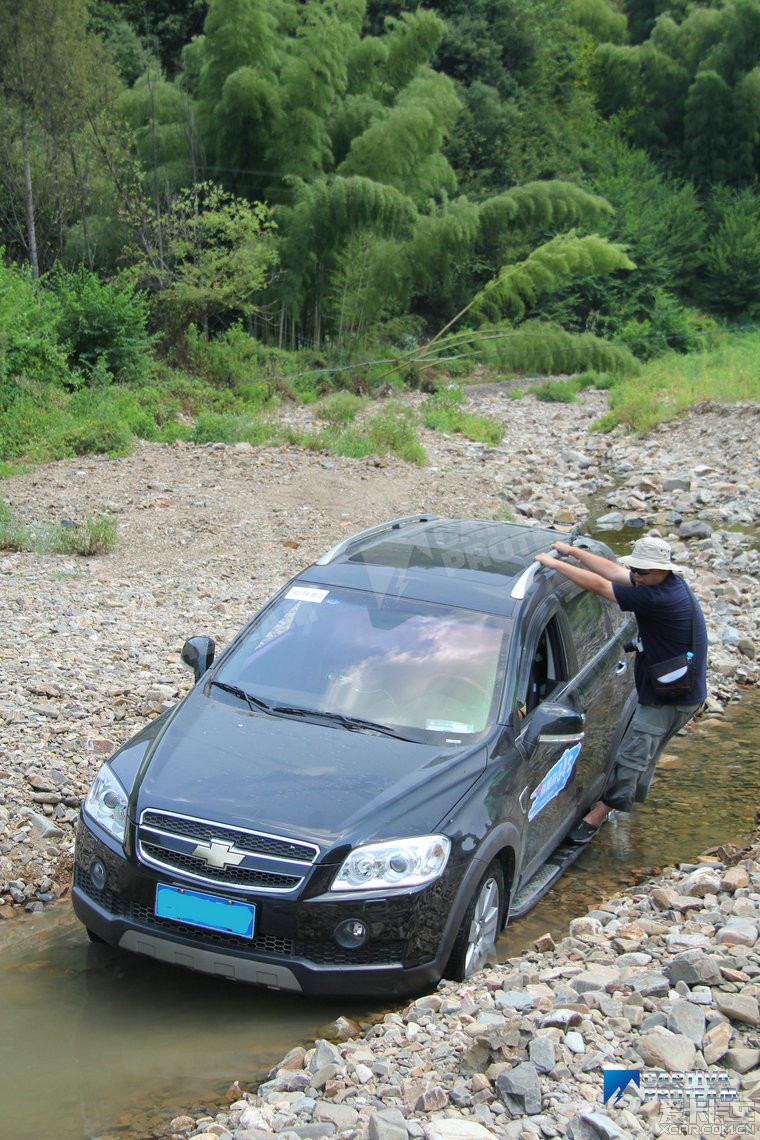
point(293, 946)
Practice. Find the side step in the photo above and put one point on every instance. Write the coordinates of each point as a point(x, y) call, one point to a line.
point(545, 877)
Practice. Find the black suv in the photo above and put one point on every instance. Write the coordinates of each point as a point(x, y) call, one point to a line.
point(377, 772)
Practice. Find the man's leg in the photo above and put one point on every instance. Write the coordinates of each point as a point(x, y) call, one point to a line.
point(679, 716)
point(650, 730)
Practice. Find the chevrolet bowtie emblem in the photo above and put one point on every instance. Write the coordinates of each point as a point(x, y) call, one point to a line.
point(218, 854)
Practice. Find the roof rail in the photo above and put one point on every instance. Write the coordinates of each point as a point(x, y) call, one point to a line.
point(525, 581)
point(370, 532)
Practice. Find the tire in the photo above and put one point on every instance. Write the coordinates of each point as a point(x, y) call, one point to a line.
point(481, 926)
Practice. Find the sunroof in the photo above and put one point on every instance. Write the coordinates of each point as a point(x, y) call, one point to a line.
point(440, 556)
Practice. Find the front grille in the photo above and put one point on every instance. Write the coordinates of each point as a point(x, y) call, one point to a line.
point(231, 877)
point(256, 843)
point(223, 856)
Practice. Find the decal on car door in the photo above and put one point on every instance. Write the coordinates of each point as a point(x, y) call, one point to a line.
point(554, 780)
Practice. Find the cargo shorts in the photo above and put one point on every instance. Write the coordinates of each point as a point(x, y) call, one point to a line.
point(645, 738)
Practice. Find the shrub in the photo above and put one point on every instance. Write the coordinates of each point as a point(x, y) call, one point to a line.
point(29, 348)
point(556, 391)
point(443, 411)
point(221, 427)
point(95, 535)
point(342, 408)
point(104, 326)
point(95, 437)
point(235, 360)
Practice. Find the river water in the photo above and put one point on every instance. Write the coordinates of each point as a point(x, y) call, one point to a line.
point(95, 1044)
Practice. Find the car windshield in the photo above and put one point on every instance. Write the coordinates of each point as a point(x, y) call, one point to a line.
point(397, 662)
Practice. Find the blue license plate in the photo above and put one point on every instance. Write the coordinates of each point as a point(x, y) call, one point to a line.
point(208, 911)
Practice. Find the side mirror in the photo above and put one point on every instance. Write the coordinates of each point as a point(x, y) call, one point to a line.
point(198, 653)
point(554, 724)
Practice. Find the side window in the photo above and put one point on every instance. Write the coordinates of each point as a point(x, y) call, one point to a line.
point(588, 623)
point(547, 668)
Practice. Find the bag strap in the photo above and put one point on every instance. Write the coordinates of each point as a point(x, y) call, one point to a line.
point(693, 601)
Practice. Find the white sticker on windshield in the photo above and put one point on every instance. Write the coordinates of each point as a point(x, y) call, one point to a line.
point(448, 726)
point(306, 594)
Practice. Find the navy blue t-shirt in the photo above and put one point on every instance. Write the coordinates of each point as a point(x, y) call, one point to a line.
point(663, 614)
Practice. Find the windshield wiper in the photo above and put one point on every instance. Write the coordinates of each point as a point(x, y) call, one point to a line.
point(352, 723)
point(254, 703)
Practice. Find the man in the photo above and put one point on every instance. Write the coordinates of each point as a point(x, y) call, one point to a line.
point(642, 583)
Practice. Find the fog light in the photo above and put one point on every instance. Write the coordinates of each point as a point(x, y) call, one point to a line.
point(98, 874)
point(351, 933)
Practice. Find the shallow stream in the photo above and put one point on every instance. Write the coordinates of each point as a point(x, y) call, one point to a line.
point(96, 1044)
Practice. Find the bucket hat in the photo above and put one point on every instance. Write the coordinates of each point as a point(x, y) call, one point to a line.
point(650, 553)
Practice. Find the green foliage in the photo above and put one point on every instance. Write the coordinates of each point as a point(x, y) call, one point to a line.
point(230, 427)
point(537, 348)
point(213, 258)
point(661, 224)
point(521, 69)
point(166, 24)
point(667, 386)
point(326, 214)
point(29, 348)
point(517, 287)
point(392, 432)
point(103, 325)
point(730, 278)
point(556, 391)
point(403, 147)
point(541, 207)
point(688, 90)
point(58, 87)
point(237, 361)
point(96, 534)
point(158, 115)
point(603, 22)
point(342, 408)
point(668, 327)
point(444, 411)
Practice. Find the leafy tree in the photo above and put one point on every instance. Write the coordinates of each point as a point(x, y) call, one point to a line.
point(216, 257)
point(163, 26)
point(57, 85)
point(689, 92)
point(730, 277)
point(661, 224)
point(30, 352)
point(520, 69)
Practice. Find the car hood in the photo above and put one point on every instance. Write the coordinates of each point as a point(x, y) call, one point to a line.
point(219, 761)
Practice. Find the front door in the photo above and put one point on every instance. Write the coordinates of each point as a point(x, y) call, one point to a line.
point(548, 798)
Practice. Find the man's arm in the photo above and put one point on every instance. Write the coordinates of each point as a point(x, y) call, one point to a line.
point(596, 573)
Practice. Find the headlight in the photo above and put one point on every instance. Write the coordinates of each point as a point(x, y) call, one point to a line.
point(396, 863)
point(106, 802)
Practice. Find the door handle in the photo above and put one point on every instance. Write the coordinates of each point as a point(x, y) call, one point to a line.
point(523, 798)
point(620, 668)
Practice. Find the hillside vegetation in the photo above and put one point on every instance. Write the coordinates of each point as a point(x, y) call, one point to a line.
point(209, 209)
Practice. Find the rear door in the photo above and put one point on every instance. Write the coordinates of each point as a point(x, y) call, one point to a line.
point(599, 688)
